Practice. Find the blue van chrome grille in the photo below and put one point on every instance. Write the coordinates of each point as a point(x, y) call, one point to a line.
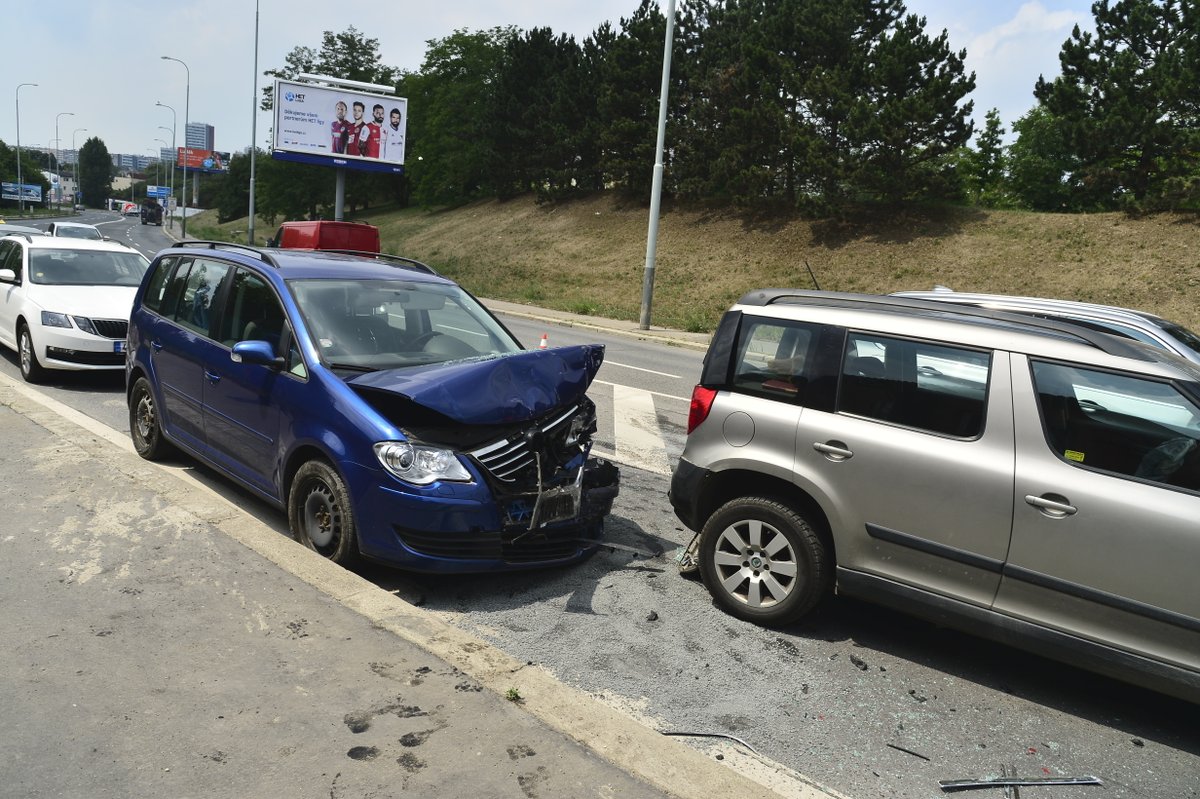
point(515, 458)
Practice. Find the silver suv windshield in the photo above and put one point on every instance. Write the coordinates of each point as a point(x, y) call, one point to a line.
point(383, 324)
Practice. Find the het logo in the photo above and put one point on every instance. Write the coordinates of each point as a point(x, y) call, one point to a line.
point(292, 97)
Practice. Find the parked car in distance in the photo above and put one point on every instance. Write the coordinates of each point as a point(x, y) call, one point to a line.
point(1137, 325)
point(74, 230)
point(64, 303)
point(325, 234)
point(378, 403)
point(1023, 478)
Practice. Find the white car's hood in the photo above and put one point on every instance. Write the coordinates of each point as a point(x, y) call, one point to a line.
point(99, 302)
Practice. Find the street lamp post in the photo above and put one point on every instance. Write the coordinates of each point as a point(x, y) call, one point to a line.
point(164, 144)
point(20, 186)
point(58, 155)
point(174, 156)
point(186, 103)
point(75, 166)
point(253, 129)
point(157, 171)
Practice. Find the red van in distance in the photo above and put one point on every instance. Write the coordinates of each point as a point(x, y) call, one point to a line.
point(326, 235)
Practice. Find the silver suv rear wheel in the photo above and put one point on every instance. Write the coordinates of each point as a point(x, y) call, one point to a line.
point(763, 562)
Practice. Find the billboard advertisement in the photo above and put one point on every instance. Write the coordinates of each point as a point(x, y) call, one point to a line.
point(339, 127)
point(30, 193)
point(198, 160)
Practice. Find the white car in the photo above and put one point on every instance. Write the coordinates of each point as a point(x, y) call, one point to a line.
point(65, 303)
point(74, 230)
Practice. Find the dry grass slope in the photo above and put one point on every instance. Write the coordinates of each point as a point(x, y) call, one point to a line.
point(588, 256)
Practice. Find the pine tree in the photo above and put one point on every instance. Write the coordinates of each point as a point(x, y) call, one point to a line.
point(1127, 103)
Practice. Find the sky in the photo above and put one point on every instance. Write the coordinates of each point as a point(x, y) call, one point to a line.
point(99, 72)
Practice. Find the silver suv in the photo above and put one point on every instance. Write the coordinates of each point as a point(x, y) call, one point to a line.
point(1137, 325)
point(1024, 478)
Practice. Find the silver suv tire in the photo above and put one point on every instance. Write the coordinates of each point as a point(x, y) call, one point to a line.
point(763, 562)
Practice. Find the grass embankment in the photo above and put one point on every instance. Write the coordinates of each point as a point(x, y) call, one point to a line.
point(588, 256)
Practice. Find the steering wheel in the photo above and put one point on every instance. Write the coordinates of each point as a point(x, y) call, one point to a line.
point(420, 341)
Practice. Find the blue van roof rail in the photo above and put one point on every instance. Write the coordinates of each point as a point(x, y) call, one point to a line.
point(229, 245)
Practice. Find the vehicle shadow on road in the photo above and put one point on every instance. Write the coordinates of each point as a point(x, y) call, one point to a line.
point(1141, 713)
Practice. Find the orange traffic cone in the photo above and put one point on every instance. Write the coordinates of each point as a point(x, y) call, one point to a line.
point(544, 342)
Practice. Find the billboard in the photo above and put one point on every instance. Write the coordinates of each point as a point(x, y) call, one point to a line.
point(158, 191)
point(30, 192)
point(339, 127)
point(198, 160)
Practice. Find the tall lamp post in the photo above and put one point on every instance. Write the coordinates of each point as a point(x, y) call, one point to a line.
point(58, 154)
point(75, 165)
point(157, 171)
point(165, 147)
point(174, 155)
point(20, 185)
point(253, 129)
point(187, 96)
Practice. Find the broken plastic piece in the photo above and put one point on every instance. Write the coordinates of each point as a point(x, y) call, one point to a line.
point(998, 782)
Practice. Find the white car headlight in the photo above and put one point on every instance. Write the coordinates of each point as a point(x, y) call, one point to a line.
point(85, 324)
point(420, 465)
point(52, 319)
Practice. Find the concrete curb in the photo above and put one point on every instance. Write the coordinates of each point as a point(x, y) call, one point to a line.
point(664, 762)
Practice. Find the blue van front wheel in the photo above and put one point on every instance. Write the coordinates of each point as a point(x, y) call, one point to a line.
point(320, 515)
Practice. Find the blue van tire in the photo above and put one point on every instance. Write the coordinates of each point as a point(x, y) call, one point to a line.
point(320, 514)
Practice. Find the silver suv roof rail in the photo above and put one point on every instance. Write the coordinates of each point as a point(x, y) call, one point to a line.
point(1112, 345)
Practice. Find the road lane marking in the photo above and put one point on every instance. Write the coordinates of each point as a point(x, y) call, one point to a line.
point(637, 438)
point(640, 369)
point(651, 393)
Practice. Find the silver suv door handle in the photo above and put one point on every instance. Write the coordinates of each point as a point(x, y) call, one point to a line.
point(1052, 507)
point(835, 450)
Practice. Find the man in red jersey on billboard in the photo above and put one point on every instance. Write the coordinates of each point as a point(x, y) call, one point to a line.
point(371, 146)
point(340, 128)
point(360, 133)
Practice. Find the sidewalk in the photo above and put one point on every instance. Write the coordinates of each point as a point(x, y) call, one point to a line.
point(162, 642)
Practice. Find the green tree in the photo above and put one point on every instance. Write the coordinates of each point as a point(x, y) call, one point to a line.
point(448, 155)
point(229, 193)
point(95, 172)
point(1041, 165)
point(348, 55)
point(628, 69)
point(985, 166)
point(540, 116)
point(33, 167)
point(1126, 103)
point(909, 115)
point(817, 102)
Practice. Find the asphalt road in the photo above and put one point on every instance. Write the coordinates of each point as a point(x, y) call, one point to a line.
point(859, 698)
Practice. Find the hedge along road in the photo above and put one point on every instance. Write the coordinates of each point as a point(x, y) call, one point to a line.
point(858, 698)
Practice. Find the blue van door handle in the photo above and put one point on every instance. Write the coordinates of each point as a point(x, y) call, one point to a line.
point(212, 377)
point(156, 345)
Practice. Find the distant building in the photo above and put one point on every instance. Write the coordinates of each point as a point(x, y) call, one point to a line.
point(200, 136)
point(132, 163)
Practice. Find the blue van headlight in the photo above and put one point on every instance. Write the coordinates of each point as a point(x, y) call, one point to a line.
point(420, 465)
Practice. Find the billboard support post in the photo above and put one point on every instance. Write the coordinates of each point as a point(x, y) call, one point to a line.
point(339, 195)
